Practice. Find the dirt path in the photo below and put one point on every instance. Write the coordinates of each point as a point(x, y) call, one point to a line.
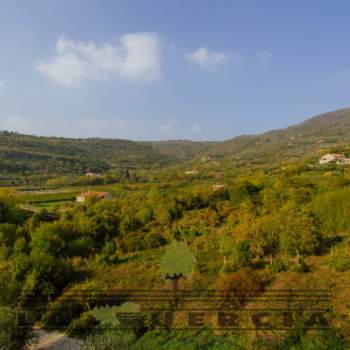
point(54, 341)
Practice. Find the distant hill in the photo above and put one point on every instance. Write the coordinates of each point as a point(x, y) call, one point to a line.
point(25, 154)
point(181, 150)
point(322, 132)
point(32, 154)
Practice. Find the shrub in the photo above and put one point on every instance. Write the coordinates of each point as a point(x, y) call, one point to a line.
point(132, 242)
point(109, 253)
point(339, 259)
point(297, 233)
point(241, 257)
point(330, 208)
point(300, 266)
point(240, 284)
point(277, 266)
point(154, 240)
point(81, 326)
point(15, 332)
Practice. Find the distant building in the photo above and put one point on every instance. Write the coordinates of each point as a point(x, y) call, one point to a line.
point(218, 187)
point(332, 157)
point(89, 173)
point(81, 198)
point(191, 172)
point(220, 174)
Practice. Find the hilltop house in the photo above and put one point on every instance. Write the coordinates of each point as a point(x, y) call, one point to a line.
point(81, 198)
point(334, 157)
point(218, 187)
point(191, 172)
point(91, 174)
point(220, 174)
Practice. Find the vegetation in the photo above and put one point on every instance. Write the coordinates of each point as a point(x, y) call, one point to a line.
point(281, 226)
point(26, 159)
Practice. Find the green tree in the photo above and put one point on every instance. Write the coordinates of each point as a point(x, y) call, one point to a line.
point(242, 256)
point(298, 233)
point(109, 253)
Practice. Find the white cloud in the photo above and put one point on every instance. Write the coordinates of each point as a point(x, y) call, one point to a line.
point(206, 58)
point(137, 57)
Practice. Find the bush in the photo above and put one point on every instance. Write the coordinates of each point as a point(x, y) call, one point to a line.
point(297, 233)
point(154, 240)
point(330, 208)
point(277, 266)
point(82, 326)
point(109, 253)
point(339, 264)
point(241, 257)
point(15, 332)
point(240, 284)
point(132, 242)
point(339, 259)
point(300, 266)
point(7, 234)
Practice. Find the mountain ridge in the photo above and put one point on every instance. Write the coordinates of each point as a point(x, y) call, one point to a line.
point(60, 155)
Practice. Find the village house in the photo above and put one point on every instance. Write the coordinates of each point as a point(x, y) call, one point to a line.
point(218, 187)
point(81, 198)
point(191, 172)
point(91, 174)
point(334, 157)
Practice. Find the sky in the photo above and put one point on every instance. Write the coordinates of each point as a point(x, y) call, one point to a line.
point(170, 69)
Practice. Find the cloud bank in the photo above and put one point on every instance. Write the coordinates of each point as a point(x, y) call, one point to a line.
point(137, 58)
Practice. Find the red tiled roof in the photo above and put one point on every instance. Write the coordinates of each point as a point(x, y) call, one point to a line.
point(94, 194)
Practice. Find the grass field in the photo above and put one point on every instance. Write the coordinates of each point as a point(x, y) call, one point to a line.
point(48, 199)
point(51, 198)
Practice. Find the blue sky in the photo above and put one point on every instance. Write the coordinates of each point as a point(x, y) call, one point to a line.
point(169, 69)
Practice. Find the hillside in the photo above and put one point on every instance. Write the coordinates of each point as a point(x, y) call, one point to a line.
point(271, 241)
point(181, 150)
point(31, 154)
point(295, 142)
point(24, 154)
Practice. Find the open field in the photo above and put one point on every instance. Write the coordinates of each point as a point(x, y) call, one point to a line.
point(51, 198)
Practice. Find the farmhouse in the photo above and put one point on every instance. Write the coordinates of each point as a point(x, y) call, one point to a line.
point(91, 174)
point(334, 157)
point(218, 187)
point(81, 198)
point(191, 172)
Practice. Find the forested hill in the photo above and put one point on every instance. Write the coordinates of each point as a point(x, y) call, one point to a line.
point(24, 153)
point(181, 150)
point(322, 132)
point(53, 155)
